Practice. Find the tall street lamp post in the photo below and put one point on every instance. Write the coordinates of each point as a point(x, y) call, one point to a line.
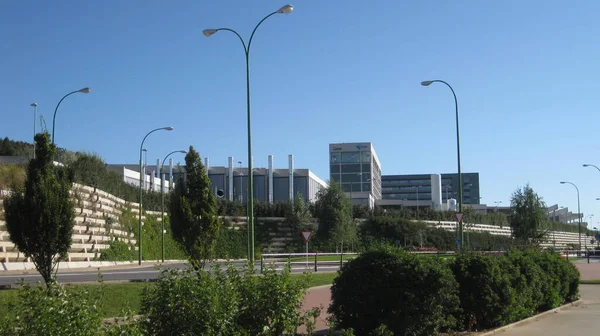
point(143, 176)
point(84, 90)
point(162, 196)
point(34, 105)
point(208, 32)
point(460, 189)
point(578, 209)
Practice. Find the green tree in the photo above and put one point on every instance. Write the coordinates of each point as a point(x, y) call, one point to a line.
point(527, 217)
point(333, 210)
point(89, 170)
point(40, 215)
point(297, 213)
point(192, 208)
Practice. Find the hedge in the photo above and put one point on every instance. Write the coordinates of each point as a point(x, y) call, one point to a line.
point(422, 295)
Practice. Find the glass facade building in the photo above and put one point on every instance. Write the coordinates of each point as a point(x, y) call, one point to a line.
point(409, 187)
point(356, 167)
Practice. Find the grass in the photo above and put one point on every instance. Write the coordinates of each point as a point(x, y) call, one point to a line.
point(128, 295)
point(319, 258)
point(589, 282)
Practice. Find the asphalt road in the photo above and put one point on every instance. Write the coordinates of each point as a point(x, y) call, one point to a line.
point(132, 273)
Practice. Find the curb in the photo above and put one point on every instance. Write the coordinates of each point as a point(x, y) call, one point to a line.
point(532, 318)
point(318, 287)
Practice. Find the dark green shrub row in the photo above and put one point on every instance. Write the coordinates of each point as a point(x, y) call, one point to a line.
point(422, 295)
point(497, 290)
point(118, 251)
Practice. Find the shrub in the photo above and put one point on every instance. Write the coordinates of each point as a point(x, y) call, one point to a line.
point(224, 303)
point(528, 280)
point(118, 251)
point(409, 294)
point(53, 311)
point(487, 297)
point(185, 303)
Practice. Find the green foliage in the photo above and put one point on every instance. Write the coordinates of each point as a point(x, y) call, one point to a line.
point(118, 251)
point(334, 213)
point(231, 244)
point(194, 220)
point(528, 218)
point(228, 302)
point(391, 229)
point(497, 290)
point(409, 294)
point(40, 216)
point(15, 148)
point(12, 175)
point(486, 294)
point(53, 311)
point(152, 237)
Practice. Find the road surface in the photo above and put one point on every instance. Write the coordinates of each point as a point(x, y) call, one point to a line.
point(148, 271)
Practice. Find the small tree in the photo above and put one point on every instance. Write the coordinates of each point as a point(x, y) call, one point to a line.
point(297, 214)
point(40, 215)
point(527, 217)
point(193, 207)
point(334, 212)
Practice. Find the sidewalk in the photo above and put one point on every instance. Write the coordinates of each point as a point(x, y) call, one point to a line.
point(576, 320)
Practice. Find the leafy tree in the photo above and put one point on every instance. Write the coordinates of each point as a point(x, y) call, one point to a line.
point(89, 170)
point(194, 221)
point(527, 216)
point(334, 213)
point(40, 215)
point(297, 214)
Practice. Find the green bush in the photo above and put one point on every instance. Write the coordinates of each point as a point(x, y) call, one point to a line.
point(118, 251)
point(224, 303)
point(231, 244)
point(53, 311)
point(528, 280)
point(152, 241)
point(487, 297)
point(409, 294)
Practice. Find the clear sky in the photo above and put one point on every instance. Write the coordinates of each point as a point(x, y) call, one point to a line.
point(525, 73)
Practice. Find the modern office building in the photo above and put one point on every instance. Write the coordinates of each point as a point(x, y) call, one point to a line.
point(411, 187)
point(231, 183)
point(356, 167)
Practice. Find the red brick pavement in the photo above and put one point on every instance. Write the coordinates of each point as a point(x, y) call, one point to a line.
point(589, 271)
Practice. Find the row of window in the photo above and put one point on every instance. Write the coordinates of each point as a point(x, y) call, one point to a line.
point(350, 168)
point(345, 178)
point(356, 187)
point(351, 157)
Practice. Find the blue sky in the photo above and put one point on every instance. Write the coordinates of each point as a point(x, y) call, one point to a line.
point(332, 71)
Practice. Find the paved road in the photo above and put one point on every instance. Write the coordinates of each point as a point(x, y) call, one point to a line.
point(128, 273)
point(576, 320)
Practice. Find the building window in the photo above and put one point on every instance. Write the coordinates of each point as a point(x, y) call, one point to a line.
point(336, 177)
point(334, 169)
point(350, 157)
point(347, 187)
point(351, 168)
point(335, 157)
point(365, 157)
point(354, 177)
point(366, 187)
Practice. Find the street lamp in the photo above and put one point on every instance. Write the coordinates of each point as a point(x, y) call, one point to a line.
point(34, 116)
point(578, 209)
point(162, 196)
point(143, 175)
point(208, 32)
point(460, 190)
point(84, 90)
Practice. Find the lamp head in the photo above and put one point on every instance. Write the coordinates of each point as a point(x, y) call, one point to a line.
point(169, 128)
point(209, 32)
point(287, 9)
point(562, 182)
point(426, 83)
point(34, 104)
point(183, 152)
point(586, 165)
point(144, 150)
point(85, 90)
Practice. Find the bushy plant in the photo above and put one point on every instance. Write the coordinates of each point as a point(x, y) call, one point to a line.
point(185, 303)
point(528, 280)
point(230, 302)
point(409, 294)
point(487, 296)
point(118, 251)
point(53, 311)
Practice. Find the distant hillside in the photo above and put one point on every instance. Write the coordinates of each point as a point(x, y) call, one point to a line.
point(10, 147)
